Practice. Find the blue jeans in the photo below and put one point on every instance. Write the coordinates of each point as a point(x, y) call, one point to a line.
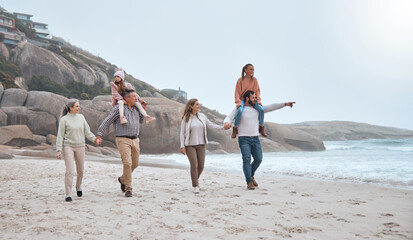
point(250, 146)
point(257, 107)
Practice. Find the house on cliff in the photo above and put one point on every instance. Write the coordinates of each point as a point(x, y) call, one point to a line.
point(12, 36)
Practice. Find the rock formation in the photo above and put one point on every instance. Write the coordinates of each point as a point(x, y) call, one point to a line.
point(40, 112)
point(34, 60)
point(344, 130)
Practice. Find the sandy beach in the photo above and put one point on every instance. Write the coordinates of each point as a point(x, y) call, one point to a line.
point(164, 207)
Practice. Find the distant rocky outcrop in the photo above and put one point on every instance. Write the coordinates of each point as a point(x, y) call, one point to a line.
point(345, 130)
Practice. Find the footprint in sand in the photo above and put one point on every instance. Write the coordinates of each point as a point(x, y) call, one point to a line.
point(359, 215)
point(355, 202)
point(391, 225)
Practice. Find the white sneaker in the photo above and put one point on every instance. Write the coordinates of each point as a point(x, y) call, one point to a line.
point(196, 190)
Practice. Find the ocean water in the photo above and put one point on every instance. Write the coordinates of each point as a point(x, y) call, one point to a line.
point(386, 162)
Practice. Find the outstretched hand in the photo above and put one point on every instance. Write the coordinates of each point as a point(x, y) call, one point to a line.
point(290, 104)
point(227, 126)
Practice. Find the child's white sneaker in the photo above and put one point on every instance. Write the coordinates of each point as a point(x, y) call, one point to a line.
point(123, 120)
point(196, 190)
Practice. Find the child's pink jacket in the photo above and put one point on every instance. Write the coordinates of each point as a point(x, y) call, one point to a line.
point(116, 96)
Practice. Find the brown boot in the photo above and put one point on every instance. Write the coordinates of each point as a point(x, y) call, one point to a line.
point(234, 132)
point(254, 182)
point(250, 186)
point(261, 130)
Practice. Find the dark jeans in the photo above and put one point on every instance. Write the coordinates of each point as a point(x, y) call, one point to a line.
point(257, 107)
point(250, 146)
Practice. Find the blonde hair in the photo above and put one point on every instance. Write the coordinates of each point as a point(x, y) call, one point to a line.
point(188, 109)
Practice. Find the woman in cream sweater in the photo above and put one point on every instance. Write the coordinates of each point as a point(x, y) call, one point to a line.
point(71, 134)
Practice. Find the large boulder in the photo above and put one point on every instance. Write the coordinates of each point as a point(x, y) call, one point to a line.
point(39, 139)
point(46, 102)
point(13, 97)
point(16, 135)
point(4, 155)
point(161, 135)
point(41, 123)
point(95, 111)
point(293, 139)
point(34, 60)
point(51, 139)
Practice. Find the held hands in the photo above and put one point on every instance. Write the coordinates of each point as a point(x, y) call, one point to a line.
point(98, 140)
point(59, 155)
point(290, 104)
point(227, 126)
point(183, 151)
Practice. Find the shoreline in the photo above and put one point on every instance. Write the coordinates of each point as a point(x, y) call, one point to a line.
point(164, 207)
point(162, 163)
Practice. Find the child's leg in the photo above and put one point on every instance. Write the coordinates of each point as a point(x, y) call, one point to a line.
point(139, 106)
point(239, 113)
point(260, 110)
point(121, 113)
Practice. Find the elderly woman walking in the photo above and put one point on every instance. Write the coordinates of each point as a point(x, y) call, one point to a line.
point(71, 134)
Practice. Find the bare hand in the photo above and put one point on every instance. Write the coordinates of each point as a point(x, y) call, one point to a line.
point(124, 101)
point(227, 126)
point(98, 140)
point(183, 151)
point(59, 155)
point(238, 106)
point(290, 104)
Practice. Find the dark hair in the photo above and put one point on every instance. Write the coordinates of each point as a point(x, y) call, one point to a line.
point(127, 92)
point(66, 108)
point(188, 108)
point(243, 70)
point(121, 86)
point(247, 94)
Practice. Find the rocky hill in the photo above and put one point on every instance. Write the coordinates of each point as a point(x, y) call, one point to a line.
point(30, 118)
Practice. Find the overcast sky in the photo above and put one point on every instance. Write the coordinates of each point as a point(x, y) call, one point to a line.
point(339, 60)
